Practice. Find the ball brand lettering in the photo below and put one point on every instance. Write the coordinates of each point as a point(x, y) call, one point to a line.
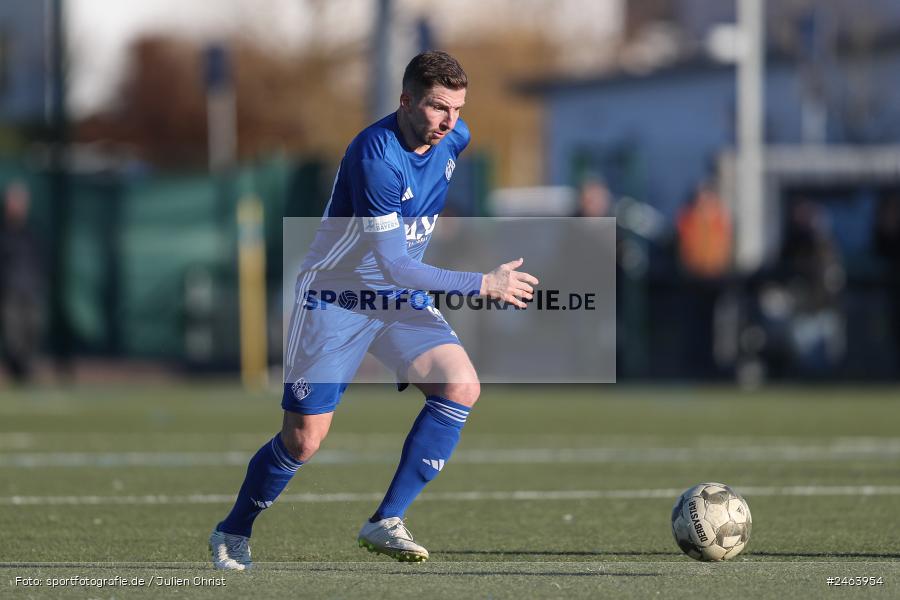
point(695, 519)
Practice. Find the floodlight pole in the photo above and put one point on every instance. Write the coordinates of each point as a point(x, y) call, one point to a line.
point(750, 217)
point(383, 99)
point(59, 187)
point(221, 113)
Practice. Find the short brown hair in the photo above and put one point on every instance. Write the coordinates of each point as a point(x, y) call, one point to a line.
point(433, 68)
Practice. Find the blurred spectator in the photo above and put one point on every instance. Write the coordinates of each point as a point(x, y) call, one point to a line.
point(887, 245)
point(704, 235)
point(815, 278)
point(594, 199)
point(704, 250)
point(21, 285)
point(811, 256)
point(582, 239)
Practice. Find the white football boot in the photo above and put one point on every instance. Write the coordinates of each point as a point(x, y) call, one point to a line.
point(391, 537)
point(229, 551)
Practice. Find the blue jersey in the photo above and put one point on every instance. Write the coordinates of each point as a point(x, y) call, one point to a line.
point(384, 190)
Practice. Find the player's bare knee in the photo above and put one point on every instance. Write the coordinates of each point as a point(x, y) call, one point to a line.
point(307, 447)
point(465, 393)
point(302, 434)
point(301, 444)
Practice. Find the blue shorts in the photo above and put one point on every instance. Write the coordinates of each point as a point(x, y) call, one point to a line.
point(327, 343)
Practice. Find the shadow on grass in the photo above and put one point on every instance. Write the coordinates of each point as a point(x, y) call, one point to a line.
point(379, 569)
point(552, 553)
point(890, 555)
point(494, 573)
point(198, 566)
point(600, 554)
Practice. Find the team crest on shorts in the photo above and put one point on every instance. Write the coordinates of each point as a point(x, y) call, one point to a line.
point(448, 172)
point(301, 389)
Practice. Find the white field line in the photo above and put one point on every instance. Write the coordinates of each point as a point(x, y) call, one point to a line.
point(31, 439)
point(598, 567)
point(22, 440)
point(473, 496)
point(869, 450)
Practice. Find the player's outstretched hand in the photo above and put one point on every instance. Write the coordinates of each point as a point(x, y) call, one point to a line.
point(509, 285)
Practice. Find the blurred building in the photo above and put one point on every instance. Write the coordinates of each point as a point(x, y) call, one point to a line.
point(661, 130)
point(664, 120)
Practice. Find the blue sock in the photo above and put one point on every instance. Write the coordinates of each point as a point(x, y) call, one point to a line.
point(427, 448)
point(268, 473)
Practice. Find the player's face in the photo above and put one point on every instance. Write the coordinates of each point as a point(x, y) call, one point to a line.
point(434, 114)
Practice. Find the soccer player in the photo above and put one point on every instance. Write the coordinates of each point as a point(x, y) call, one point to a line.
point(390, 187)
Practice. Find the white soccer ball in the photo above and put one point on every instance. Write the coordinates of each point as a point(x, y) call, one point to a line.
point(711, 521)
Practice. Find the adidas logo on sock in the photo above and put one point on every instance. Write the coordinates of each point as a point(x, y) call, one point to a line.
point(262, 503)
point(437, 464)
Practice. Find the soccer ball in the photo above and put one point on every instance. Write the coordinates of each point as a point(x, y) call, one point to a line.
point(710, 521)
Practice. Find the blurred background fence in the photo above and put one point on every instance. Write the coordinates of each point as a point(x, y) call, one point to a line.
point(137, 134)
